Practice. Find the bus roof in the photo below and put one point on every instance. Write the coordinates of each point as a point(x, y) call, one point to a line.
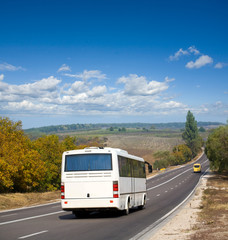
point(101, 149)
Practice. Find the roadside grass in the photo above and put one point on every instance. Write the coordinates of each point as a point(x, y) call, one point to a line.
point(213, 217)
point(18, 200)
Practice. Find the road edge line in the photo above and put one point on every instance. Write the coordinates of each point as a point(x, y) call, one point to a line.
point(33, 206)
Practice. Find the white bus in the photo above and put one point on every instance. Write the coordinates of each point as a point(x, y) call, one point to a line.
point(102, 178)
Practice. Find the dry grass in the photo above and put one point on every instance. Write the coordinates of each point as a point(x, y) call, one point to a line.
point(213, 218)
point(17, 200)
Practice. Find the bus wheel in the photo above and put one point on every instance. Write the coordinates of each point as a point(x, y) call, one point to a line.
point(126, 211)
point(142, 206)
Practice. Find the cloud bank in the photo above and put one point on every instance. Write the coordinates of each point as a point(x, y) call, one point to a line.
point(89, 95)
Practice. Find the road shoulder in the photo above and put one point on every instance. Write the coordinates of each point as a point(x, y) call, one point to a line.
point(181, 226)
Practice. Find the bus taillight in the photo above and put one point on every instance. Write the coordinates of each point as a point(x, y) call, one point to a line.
point(62, 191)
point(115, 189)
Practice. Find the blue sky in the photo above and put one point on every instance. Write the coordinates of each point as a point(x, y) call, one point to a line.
point(64, 62)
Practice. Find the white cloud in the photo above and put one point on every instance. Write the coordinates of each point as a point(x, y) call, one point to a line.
point(77, 87)
point(64, 68)
point(221, 65)
point(169, 79)
point(178, 54)
point(28, 106)
point(47, 87)
point(86, 75)
point(9, 67)
point(200, 62)
point(181, 52)
point(138, 85)
point(193, 50)
point(97, 91)
point(1, 77)
point(87, 97)
point(171, 105)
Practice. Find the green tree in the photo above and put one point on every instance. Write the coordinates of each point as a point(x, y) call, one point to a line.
point(217, 149)
point(191, 134)
point(202, 129)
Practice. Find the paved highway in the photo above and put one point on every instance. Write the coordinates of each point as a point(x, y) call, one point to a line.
point(165, 192)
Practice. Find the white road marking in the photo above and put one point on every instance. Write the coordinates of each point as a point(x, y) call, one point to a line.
point(29, 218)
point(168, 180)
point(35, 206)
point(33, 234)
point(13, 214)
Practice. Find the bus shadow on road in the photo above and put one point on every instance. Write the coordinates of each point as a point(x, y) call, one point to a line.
point(96, 215)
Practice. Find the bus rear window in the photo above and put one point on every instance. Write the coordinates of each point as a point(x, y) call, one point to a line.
point(88, 162)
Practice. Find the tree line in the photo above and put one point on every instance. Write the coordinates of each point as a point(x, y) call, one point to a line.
point(85, 127)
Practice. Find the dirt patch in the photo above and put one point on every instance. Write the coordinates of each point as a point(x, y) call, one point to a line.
point(17, 200)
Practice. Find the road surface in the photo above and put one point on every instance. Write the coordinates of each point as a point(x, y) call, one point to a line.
point(165, 192)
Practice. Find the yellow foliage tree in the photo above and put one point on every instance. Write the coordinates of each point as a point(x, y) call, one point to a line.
point(17, 159)
point(27, 165)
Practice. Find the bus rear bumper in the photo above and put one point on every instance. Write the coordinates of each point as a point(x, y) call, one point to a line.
point(73, 204)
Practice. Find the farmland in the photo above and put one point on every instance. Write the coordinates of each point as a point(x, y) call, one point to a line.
point(138, 142)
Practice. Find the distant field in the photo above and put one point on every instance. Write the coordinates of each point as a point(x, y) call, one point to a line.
point(136, 142)
point(143, 145)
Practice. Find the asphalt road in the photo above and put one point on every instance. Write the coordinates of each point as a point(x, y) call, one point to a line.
point(165, 192)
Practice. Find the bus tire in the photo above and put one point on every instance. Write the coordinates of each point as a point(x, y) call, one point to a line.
point(126, 211)
point(141, 207)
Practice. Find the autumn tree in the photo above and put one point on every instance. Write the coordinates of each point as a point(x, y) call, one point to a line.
point(20, 166)
point(191, 135)
point(182, 154)
point(50, 150)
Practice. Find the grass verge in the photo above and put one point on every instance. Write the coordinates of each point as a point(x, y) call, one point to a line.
point(17, 200)
point(213, 217)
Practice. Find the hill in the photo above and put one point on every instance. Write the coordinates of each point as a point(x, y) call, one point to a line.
point(101, 126)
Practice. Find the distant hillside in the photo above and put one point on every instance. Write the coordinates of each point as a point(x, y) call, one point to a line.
point(86, 127)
